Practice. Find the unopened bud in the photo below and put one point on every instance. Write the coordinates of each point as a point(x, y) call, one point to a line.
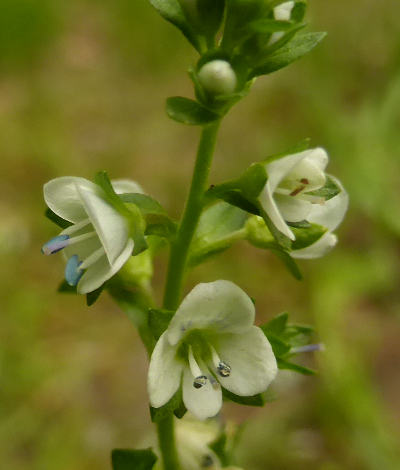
point(218, 77)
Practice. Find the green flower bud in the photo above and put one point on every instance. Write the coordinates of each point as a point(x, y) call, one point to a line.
point(217, 77)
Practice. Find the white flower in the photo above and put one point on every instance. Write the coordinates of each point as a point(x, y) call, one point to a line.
point(285, 197)
point(329, 215)
point(97, 244)
point(282, 12)
point(211, 336)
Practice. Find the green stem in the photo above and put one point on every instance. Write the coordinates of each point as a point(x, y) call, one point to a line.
point(166, 439)
point(177, 265)
point(190, 218)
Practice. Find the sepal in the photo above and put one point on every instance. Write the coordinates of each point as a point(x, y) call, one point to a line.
point(187, 111)
point(285, 338)
point(175, 406)
point(62, 223)
point(255, 400)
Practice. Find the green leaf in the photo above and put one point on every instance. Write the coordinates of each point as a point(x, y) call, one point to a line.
point(277, 325)
point(219, 226)
point(159, 320)
point(92, 297)
point(175, 405)
point(172, 11)
point(330, 190)
point(219, 447)
point(62, 223)
point(282, 364)
point(205, 15)
point(239, 16)
point(127, 459)
point(300, 45)
point(268, 25)
point(307, 236)
point(279, 347)
point(190, 112)
point(255, 400)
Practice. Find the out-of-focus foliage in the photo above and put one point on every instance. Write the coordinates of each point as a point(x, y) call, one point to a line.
point(82, 87)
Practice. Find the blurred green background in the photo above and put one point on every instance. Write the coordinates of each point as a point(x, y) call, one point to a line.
point(82, 88)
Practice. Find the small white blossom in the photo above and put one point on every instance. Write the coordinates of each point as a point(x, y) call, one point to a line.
point(211, 341)
point(218, 77)
point(286, 195)
point(97, 244)
point(282, 12)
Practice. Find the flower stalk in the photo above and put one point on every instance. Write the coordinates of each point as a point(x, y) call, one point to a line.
point(190, 218)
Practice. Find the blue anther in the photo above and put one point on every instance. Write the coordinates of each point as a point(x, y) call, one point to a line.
point(55, 244)
point(72, 271)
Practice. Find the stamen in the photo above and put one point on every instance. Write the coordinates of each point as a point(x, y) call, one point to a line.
point(223, 369)
point(309, 348)
point(74, 228)
point(81, 238)
point(73, 272)
point(200, 379)
point(55, 244)
point(194, 367)
point(304, 181)
point(92, 258)
point(296, 191)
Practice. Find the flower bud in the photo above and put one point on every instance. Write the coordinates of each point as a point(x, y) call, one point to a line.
point(217, 77)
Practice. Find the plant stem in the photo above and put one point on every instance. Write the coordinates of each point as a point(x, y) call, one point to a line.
point(190, 218)
point(177, 264)
point(166, 439)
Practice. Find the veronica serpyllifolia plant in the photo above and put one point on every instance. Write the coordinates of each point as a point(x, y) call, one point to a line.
point(205, 347)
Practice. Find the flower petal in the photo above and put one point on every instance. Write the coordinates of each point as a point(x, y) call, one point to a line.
point(331, 213)
point(293, 209)
point(109, 224)
point(122, 186)
point(219, 306)
point(62, 197)
point(204, 402)
point(97, 274)
point(164, 373)
point(270, 207)
point(252, 362)
point(318, 249)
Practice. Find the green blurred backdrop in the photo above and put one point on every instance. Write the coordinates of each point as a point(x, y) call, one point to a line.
point(82, 88)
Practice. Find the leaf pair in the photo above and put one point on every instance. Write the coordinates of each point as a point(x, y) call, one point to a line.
point(284, 337)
